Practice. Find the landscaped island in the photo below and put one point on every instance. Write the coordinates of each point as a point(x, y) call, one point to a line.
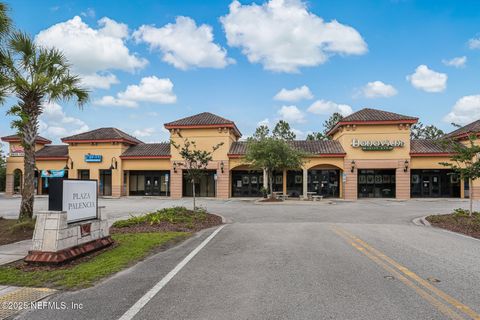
point(134, 239)
point(458, 221)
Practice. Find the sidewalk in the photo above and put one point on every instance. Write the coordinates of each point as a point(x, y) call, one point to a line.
point(14, 251)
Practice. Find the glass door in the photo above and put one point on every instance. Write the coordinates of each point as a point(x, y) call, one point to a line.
point(105, 182)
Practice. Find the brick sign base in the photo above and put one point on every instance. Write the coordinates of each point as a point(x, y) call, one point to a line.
point(62, 256)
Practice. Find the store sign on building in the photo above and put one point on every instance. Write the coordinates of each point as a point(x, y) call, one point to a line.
point(377, 145)
point(17, 151)
point(93, 158)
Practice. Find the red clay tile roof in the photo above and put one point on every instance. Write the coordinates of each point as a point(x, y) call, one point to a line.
point(427, 146)
point(329, 147)
point(204, 119)
point(470, 128)
point(52, 151)
point(16, 138)
point(146, 150)
point(369, 115)
point(103, 134)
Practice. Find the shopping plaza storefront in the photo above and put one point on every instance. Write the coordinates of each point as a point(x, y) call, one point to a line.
point(370, 155)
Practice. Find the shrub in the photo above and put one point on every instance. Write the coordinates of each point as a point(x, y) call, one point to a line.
point(23, 226)
point(172, 215)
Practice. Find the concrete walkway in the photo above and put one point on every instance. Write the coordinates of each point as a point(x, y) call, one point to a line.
point(14, 251)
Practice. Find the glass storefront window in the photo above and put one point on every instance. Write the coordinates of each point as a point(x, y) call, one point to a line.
point(149, 183)
point(204, 187)
point(324, 182)
point(434, 183)
point(376, 183)
point(246, 183)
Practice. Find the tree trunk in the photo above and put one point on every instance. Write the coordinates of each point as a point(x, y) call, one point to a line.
point(471, 198)
point(28, 190)
point(193, 188)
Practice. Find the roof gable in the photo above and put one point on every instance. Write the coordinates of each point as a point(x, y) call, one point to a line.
point(203, 120)
point(470, 128)
point(104, 135)
point(16, 138)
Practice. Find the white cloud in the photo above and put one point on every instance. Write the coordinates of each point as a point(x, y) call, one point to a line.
point(377, 89)
point(296, 94)
point(300, 135)
point(428, 80)
point(146, 132)
point(291, 114)
point(93, 51)
point(54, 122)
point(99, 80)
point(324, 107)
point(474, 43)
point(90, 13)
point(184, 45)
point(457, 62)
point(283, 35)
point(465, 110)
point(150, 89)
point(264, 122)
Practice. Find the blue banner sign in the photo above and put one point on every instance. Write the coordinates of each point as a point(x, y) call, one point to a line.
point(93, 158)
point(53, 173)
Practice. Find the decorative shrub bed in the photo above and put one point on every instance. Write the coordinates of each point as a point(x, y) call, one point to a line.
point(458, 221)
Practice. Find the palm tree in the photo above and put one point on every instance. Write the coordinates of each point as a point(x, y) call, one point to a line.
point(35, 76)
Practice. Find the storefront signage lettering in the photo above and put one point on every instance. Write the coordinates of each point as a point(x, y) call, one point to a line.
point(17, 151)
point(93, 158)
point(53, 173)
point(377, 145)
point(80, 200)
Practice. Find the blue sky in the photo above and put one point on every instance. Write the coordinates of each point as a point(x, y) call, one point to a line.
point(151, 62)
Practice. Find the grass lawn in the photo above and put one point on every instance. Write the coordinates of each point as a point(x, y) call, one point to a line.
point(130, 248)
point(459, 221)
point(12, 231)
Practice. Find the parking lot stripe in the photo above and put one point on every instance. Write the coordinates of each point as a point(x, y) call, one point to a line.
point(425, 284)
point(153, 291)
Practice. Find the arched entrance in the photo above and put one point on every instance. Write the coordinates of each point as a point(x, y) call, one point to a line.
point(325, 180)
point(17, 181)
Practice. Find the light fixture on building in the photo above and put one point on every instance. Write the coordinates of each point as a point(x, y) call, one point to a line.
point(222, 166)
point(113, 166)
point(66, 165)
point(405, 166)
point(353, 166)
point(175, 166)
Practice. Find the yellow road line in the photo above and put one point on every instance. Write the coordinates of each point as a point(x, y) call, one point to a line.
point(443, 308)
point(454, 302)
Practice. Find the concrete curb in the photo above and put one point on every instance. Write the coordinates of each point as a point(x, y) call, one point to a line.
point(422, 222)
point(224, 220)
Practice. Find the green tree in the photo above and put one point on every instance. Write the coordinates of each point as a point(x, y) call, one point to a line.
point(35, 76)
point(271, 154)
point(420, 131)
point(261, 132)
point(283, 131)
point(195, 161)
point(327, 126)
point(465, 161)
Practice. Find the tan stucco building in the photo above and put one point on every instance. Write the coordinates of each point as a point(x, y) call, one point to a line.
point(370, 155)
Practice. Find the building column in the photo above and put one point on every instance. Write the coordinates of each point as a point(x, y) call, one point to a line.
point(223, 181)
point(284, 185)
point(402, 181)
point(305, 183)
point(351, 183)
point(176, 183)
point(9, 185)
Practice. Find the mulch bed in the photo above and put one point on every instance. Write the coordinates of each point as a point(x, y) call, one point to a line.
point(6, 236)
point(460, 224)
point(211, 220)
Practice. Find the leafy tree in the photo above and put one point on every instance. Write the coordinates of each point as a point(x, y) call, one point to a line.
point(327, 126)
point(420, 131)
point(194, 161)
point(261, 132)
point(271, 154)
point(3, 169)
point(465, 162)
point(283, 131)
point(35, 76)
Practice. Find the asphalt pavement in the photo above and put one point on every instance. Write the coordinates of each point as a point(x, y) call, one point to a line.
point(340, 260)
